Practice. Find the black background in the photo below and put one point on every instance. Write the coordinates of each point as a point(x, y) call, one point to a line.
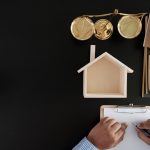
point(41, 101)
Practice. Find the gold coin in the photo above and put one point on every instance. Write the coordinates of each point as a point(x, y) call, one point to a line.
point(129, 26)
point(103, 29)
point(82, 28)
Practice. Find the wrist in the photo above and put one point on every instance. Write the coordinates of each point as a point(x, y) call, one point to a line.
point(92, 141)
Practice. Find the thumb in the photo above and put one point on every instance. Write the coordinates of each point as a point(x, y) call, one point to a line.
point(143, 137)
point(144, 125)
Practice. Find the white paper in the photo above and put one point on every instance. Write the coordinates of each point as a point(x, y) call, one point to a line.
point(131, 140)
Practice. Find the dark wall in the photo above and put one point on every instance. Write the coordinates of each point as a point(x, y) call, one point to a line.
point(41, 101)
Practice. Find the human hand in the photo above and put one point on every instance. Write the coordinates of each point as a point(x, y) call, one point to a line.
point(141, 135)
point(107, 133)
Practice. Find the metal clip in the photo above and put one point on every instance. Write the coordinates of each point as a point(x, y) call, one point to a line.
point(131, 109)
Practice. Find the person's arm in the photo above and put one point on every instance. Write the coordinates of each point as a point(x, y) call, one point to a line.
point(106, 134)
point(141, 135)
point(85, 144)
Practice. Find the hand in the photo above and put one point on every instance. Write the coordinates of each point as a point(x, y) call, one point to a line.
point(141, 135)
point(107, 133)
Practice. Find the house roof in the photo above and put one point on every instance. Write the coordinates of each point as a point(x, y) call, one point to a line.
point(129, 70)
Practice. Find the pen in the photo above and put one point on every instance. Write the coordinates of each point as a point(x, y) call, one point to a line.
point(145, 131)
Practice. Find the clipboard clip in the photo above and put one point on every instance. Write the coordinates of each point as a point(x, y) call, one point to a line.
point(131, 109)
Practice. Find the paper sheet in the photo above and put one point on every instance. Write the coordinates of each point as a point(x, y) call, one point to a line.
point(131, 140)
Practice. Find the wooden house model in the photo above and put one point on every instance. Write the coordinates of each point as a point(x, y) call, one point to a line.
point(104, 77)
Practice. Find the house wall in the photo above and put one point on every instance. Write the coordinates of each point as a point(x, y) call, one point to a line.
point(123, 82)
point(103, 77)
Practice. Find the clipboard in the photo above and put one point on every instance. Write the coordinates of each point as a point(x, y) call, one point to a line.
point(131, 114)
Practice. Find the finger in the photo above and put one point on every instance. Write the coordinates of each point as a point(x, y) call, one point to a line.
point(121, 131)
point(121, 135)
point(121, 138)
point(144, 125)
point(124, 125)
point(148, 120)
point(115, 127)
point(143, 137)
point(110, 122)
point(105, 119)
